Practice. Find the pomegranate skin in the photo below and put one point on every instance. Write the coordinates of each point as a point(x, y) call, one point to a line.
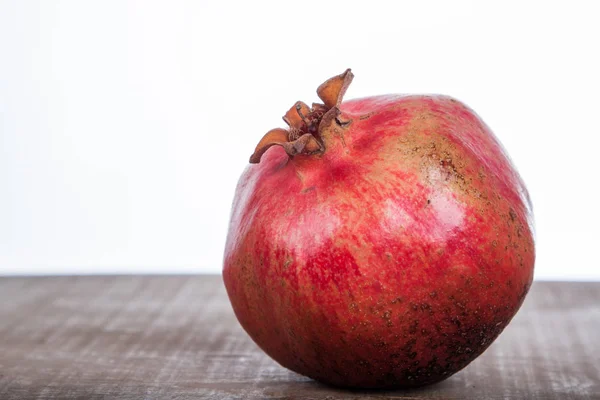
point(394, 258)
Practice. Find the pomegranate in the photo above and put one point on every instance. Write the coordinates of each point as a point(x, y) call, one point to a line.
point(380, 242)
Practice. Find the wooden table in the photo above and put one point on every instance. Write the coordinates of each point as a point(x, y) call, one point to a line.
point(134, 337)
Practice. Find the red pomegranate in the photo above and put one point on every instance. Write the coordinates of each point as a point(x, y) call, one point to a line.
point(378, 242)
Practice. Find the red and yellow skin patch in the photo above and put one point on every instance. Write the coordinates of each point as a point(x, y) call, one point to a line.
point(393, 259)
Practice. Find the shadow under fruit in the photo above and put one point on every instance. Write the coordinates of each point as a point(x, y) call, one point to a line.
point(381, 242)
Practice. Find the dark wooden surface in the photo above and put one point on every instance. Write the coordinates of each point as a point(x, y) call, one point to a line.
point(177, 338)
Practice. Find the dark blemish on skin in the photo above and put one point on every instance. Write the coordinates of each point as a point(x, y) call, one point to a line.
point(455, 321)
point(342, 123)
point(407, 348)
point(413, 327)
point(512, 215)
point(447, 163)
point(308, 189)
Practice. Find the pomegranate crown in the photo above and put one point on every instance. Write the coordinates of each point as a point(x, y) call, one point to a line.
point(306, 124)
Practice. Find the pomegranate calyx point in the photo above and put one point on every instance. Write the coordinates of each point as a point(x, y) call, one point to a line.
point(306, 123)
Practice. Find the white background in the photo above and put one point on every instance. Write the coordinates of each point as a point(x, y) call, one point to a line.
point(124, 125)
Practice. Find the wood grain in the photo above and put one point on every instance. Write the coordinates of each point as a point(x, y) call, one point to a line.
point(133, 337)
